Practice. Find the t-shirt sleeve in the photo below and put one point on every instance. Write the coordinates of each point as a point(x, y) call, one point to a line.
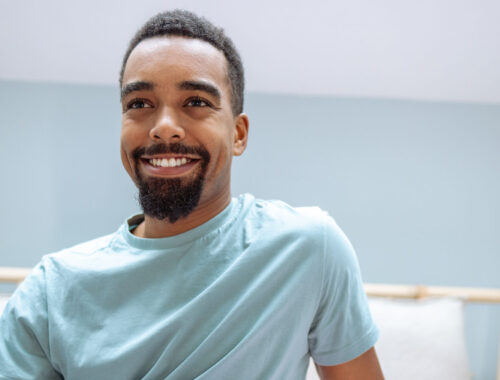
point(24, 343)
point(342, 328)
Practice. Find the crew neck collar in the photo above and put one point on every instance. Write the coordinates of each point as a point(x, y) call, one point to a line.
point(216, 223)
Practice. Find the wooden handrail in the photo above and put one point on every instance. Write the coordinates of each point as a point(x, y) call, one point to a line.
point(486, 295)
point(12, 274)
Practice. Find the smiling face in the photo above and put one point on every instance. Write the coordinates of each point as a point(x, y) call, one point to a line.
point(178, 130)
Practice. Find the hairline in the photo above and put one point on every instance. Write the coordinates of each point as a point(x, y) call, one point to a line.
point(179, 35)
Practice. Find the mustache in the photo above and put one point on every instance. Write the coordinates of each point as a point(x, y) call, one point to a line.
point(173, 148)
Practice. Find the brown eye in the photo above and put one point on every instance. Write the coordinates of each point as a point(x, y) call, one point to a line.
point(197, 102)
point(137, 104)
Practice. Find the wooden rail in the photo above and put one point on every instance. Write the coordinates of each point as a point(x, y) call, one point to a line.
point(13, 275)
point(487, 295)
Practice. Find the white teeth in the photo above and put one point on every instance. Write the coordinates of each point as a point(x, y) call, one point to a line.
point(169, 162)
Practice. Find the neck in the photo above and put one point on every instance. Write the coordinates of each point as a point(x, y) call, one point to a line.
point(152, 228)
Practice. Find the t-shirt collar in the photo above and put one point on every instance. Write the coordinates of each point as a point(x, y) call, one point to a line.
point(217, 222)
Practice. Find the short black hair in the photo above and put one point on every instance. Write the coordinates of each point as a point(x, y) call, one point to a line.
point(186, 24)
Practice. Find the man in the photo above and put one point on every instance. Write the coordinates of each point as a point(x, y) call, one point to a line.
point(201, 286)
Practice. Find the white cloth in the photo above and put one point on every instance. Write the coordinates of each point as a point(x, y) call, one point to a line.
point(419, 340)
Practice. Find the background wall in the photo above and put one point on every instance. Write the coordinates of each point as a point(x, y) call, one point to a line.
point(426, 49)
point(413, 184)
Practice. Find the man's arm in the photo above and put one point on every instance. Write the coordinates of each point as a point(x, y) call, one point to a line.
point(364, 367)
point(343, 332)
point(24, 342)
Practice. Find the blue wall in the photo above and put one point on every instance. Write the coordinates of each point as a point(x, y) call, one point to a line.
point(415, 185)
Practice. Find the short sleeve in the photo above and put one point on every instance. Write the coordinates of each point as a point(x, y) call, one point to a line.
point(24, 343)
point(342, 328)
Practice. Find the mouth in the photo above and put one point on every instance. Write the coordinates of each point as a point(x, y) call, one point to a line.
point(168, 165)
point(169, 162)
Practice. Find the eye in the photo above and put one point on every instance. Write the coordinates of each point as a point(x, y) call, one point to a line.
point(197, 102)
point(137, 104)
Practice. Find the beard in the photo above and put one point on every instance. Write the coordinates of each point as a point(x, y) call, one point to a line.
point(170, 198)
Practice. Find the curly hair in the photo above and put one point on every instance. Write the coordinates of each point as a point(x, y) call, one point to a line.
point(186, 24)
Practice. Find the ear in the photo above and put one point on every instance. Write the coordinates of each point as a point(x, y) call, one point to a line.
point(240, 134)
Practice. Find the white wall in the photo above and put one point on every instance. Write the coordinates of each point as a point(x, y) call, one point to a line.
point(427, 49)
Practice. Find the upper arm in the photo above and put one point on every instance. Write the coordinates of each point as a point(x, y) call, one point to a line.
point(342, 328)
point(24, 349)
point(364, 367)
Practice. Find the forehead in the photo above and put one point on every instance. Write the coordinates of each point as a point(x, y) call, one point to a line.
point(161, 60)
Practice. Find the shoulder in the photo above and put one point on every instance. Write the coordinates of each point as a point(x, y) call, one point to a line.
point(80, 257)
point(310, 227)
point(86, 248)
point(279, 213)
point(309, 220)
point(310, 223)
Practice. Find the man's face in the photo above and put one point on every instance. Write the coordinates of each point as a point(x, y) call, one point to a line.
point(178, 130)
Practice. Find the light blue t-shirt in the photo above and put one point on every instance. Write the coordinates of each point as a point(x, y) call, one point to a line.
point(250, 294)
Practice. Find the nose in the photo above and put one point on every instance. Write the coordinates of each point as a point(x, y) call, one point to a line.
point(167, 127)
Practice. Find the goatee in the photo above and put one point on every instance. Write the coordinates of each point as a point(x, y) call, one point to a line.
point(170, 198)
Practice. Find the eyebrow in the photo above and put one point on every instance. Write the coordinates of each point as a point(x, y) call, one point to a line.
point(201, 86)
point(184, 85)
point(135, 86)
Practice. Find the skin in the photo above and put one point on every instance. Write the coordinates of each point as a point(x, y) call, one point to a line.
point(364, 367)
point(166, 112)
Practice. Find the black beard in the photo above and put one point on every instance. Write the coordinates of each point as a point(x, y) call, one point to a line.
point(174, 198)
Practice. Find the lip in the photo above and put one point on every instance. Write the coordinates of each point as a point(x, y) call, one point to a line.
point(160, 171)
point(169, 155)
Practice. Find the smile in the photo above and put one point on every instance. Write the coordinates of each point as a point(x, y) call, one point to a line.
point(169, 162)
point(170, 166)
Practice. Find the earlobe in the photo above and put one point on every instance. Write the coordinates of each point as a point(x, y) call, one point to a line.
point(240, 134)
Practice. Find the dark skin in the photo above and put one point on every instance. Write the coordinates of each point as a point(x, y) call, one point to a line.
point(176, 89)
point(365, 366)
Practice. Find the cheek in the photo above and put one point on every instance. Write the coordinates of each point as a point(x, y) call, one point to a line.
point(125, 162)
point(222, 152)
point(127, 139)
